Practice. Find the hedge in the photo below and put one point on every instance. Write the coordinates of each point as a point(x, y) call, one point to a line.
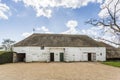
point(6, 57)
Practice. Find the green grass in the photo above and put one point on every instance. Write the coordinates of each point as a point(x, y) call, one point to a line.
point(1, 52)
point(112, 63)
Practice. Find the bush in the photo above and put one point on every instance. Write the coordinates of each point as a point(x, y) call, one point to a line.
point(6, 57)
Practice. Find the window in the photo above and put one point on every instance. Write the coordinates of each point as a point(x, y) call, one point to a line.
point(42, 47)
point(101, 54)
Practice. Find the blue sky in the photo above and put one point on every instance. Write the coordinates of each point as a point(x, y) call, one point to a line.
point(22, 19)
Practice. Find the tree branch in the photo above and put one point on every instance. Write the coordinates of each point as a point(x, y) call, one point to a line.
point(109, 41)
point(111, 21)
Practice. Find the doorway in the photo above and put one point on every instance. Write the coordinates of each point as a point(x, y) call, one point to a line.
point(61, 57)
point(21, 57)
point(89, 57)
point(52, 57)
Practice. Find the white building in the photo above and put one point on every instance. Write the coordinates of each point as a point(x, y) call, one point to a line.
point(58, 47)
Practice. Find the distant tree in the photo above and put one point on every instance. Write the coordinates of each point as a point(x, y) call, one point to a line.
point(111, 19)
point(7, 44)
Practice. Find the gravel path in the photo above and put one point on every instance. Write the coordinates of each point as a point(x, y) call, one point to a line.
point(59, 71)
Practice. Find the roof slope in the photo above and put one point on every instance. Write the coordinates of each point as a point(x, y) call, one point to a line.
point(58, 40)
point(64, 40)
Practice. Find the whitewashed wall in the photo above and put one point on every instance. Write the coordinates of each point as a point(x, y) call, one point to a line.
point(56, 52)
point(70, 53)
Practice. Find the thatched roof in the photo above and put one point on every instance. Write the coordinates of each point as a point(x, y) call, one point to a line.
point(64, 40)
point(58, 40)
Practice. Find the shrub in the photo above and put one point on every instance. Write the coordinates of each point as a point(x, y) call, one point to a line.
point(6, 57)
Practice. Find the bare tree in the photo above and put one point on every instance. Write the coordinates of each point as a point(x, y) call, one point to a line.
point(7, 44)
point(112, 21)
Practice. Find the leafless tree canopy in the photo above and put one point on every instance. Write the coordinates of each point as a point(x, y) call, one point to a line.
point(112, 21)
point(7, 44)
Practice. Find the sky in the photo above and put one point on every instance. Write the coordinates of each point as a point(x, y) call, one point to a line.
point(18, 18)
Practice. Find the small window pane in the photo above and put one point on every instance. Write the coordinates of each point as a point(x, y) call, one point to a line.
point(42, 47)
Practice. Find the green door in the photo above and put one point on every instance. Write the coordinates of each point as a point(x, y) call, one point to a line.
point(61, 57)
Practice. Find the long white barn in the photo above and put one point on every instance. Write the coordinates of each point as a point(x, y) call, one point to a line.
point(58, 47)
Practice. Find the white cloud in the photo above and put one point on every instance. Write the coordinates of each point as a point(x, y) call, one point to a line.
point(71, 31)
point(44, 12)
point(94, 32)
point(44, 7)
point(110, 37)
point(42, 29)
point(16, 0)
point(100, 34)
point(97, 33)
point(109, 33)
point(77, 3)
point(99, 1)
point(26, 34)
point(71, 24)
point(4, 9)
point(104, 13)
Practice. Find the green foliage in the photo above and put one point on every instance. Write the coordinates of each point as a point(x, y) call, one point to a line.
point(5, 57)
point(113, 63)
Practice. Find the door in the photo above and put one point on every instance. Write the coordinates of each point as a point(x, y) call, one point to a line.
point(61, 57)
point(94, 56)
point(89, 56)
point(51, 56)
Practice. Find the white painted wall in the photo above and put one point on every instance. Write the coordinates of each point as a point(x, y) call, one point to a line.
point(70, 53)
point(56, 52)
point(73, 54)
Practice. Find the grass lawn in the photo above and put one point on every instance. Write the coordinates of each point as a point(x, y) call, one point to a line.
point(112, 63)
point(1, 52)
